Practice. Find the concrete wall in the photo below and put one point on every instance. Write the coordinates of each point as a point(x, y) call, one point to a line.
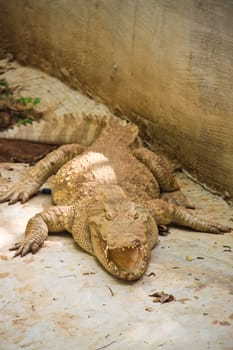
point(169, 62)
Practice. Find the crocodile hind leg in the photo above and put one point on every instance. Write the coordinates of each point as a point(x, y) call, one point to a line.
point(177, 198)
point(54, 219)
point(165, 213)
point(163, 175)
point(34, 177)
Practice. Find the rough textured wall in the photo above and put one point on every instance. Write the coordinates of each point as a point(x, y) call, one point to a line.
point(170, 62)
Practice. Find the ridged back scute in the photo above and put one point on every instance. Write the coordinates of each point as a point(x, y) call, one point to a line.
point(124, 132)
point(68, 128)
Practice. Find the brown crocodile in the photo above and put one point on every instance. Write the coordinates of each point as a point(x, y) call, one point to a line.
point(107, 195)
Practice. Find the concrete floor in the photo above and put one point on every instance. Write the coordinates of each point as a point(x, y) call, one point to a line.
point(61, 298)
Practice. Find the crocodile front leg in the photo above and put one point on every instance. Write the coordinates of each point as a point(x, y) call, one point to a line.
point(34, 177)
point(166, 213)
point(54, 219)
point(163, 175)
point(159, 169)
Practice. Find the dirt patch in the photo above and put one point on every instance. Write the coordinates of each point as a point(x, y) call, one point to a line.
point(23, 151)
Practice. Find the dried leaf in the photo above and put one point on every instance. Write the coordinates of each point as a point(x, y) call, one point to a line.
point(166, 298)
point(188, 258)
point(161, 297)
point(110, 290)
point(150, 274)
point(149, 308)
point(4, 274)
point(156, 300)
point(4, 257)
point(224, 323)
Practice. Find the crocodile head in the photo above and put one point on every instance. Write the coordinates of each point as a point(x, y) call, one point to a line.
point(122, 237)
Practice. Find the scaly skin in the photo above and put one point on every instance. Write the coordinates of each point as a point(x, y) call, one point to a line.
point(65, 129)
point(107, 197)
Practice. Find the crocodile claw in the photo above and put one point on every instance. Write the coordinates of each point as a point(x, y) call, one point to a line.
point(25, 247)
point(18, 192)
point(220, 229)
point(163, 230)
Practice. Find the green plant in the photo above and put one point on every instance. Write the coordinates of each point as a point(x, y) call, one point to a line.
point(29, 103)
point(26, 100)
point(15, 108)
point(25, 121)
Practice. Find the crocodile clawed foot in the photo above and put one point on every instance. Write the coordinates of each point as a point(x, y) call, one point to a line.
point(163, 230)
point(219, 229)
point(18, 192)
point(16, 246)
point(9, 195)
point(25, 247)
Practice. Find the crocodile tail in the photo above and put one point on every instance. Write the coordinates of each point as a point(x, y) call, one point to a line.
point(65, 129)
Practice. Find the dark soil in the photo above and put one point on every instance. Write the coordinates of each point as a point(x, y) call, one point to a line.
point(19, 151)
point(23, 151)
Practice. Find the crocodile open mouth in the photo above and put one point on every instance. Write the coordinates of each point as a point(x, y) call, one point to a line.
point(128, 262)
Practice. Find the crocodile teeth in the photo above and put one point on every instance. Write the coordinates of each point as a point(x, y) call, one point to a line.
point(114, 267)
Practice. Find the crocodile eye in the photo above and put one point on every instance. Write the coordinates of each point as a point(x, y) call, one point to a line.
point(133, 214)
point(110, 215)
